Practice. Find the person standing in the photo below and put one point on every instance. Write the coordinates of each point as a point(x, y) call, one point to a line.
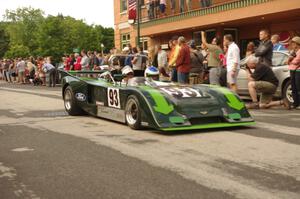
point(50, 69)
point(84, 61)
point(137, 62)
point(173, 6)
point(213, 59)
point(162, 7)
point(276, 45)
point(265, 48)
point(181, 6)
point(77, 64)
point(294, 67)
point(205, 3)
point(151, 9)
point(250, 49)
point(175, 48)
point(162, 62)
point(183, 62)
point(232, 62)
point(189, 4)
point(21, 65)
point(6, 64)
point(197, 69)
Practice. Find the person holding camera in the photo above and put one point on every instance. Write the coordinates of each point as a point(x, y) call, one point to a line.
point(294, 67)
point(264, 81)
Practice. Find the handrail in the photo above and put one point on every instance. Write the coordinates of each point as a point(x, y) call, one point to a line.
point(220, 7)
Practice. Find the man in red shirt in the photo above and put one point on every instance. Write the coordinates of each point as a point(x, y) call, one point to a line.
point(183, 62)
point(77, 65)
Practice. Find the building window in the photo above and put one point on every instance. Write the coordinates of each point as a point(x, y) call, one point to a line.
point(125, 39)
point(144, 43)
point(123, 6)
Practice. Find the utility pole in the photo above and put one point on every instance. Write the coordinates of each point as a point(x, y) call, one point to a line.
point(138, 23)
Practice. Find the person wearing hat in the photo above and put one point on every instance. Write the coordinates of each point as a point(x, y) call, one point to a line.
point(294, 67)
point(127, 73)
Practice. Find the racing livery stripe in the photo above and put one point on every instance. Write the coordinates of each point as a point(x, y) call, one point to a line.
point(233, 101)
point(208, 126)
point(161, 104)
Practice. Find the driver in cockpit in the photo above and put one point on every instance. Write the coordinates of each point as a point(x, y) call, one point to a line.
point(152, 72)
point(127, 73)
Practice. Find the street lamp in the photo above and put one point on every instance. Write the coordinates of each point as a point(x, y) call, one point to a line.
point(102, 47)
point(138, 22)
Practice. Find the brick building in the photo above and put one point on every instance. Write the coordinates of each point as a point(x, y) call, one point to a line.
point(243, 19)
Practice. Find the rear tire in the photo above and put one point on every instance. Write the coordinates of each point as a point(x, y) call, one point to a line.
point(70, 103)
point(287, 92)
point(133, 113)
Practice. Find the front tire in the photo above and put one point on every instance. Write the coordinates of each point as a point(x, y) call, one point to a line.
point(287, 92)
point(70, 103)
point(133, 113)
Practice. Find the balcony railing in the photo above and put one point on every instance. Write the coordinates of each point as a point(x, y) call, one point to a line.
point(215, 8)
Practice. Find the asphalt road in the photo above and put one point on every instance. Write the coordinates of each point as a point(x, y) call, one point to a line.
point(44, 153)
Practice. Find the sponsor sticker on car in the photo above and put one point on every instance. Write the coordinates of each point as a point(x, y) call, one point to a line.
point(113, 97)
point(80, 97)
point(181, 92)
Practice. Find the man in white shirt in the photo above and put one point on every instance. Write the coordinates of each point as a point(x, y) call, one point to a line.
point(162, 62)
point(233, 61)
point(84, 61)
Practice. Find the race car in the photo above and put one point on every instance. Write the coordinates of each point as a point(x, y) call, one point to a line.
point(143, 102)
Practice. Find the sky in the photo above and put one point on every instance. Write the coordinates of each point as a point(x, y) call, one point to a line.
point(99, 12)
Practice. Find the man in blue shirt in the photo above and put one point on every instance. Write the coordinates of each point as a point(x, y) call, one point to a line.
point(50, 69)
point(276, 45)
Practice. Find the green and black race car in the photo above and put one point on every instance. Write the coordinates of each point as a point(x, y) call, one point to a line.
point(143, 102)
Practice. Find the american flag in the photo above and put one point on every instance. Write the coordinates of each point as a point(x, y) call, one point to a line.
point(131, 9)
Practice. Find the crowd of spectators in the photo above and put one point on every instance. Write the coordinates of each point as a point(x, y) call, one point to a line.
point(25, 70)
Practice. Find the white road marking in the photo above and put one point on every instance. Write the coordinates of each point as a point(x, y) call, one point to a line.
point(37, 92)
point(24, 149)
point(279, 128)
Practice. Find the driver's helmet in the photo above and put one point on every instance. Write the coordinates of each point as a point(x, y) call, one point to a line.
point(152, 72)
point(127, 70)
point(105, 75)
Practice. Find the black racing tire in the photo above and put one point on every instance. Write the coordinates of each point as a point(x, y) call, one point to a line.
point(287, 92)
point(133, 113)
point(70, 103)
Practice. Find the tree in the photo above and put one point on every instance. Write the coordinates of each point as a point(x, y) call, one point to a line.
point(30, 33)
point(4, 39)
point(22, 27)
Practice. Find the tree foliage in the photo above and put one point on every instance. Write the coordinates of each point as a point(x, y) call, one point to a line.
point(4, 39)
point(28, 32)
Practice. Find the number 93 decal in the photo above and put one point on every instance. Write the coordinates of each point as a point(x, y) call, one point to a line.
point(181, 92)
point(113, 97)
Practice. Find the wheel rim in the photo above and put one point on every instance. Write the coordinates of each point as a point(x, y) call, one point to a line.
point(131, 112)
point(289, 94)
point(68, 98)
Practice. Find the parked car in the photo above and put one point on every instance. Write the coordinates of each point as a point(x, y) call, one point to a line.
point(281, 71)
